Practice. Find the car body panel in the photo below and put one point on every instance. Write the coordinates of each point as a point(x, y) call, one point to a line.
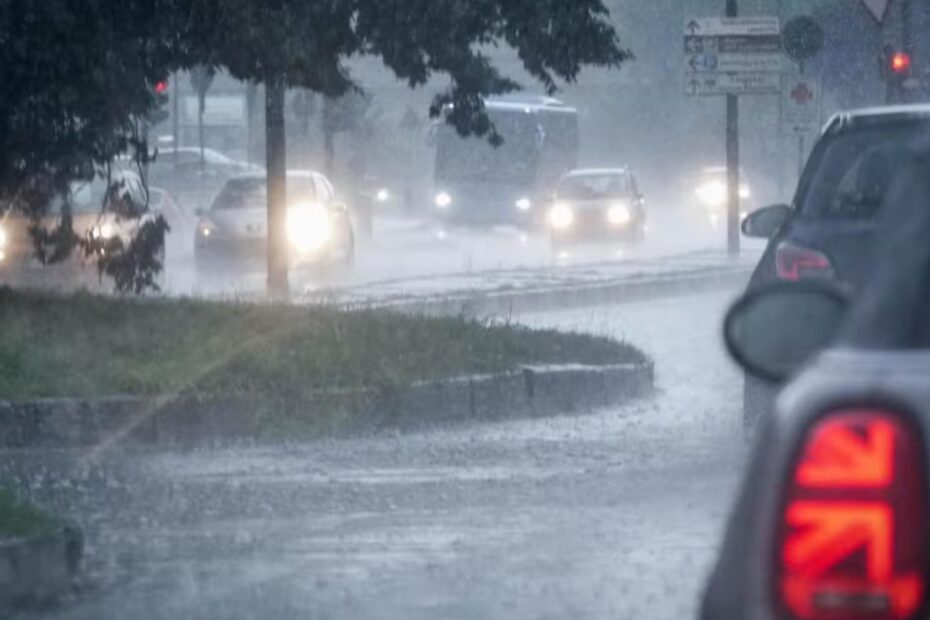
point(742, 583)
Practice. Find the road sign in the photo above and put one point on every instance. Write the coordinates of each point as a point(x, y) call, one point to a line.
point(729, 63)
point(735, 44)
point(800, 104)
point(878, 8)
point(712, 84)
point(732, 26)
point(732, 55)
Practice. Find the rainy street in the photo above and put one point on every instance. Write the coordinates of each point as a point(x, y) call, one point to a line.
point(612, 514)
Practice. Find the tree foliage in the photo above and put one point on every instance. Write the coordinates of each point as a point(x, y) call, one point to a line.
point(78, 76)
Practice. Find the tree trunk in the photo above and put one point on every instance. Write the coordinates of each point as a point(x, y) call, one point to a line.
point(276, 163)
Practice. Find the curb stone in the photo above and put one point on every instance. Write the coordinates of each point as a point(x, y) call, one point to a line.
point(516, 301)
point(38, 571)
point(185, 420)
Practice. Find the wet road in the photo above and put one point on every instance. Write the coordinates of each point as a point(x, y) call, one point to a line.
point(615, 514)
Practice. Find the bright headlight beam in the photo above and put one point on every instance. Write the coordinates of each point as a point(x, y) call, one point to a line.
point(383, 195)
point(443, 200)
point(309, 227)
point(561, 217)
point(2, 237)
point(618, 214)
point(523, 204)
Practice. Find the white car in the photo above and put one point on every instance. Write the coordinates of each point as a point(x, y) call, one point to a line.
point(318, 226)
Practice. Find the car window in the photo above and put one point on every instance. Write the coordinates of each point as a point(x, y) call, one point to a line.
point(594, 186)
point(854, 173)
point(252, 193)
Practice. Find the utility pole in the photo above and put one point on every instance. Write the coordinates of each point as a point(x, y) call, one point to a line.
point(733, 180)
point(175, 95)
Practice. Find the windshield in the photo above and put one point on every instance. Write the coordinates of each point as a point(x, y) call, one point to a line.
point(594, 187)
point(475, 159)
point(855, 172)
point(252, 193)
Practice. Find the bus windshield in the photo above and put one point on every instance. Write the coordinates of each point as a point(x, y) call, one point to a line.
point(474, 158)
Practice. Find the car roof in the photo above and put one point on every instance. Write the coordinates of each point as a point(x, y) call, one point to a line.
point(881, 115)
point(291, 174)
point(585, 172)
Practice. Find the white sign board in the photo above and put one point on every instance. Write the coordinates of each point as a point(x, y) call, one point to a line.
point(732, 26)
point(726, 63)
point(800, 104)
point(732, 55)
point(712, 84)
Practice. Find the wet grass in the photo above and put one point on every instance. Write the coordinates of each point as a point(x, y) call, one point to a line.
point(85, 345)
point(19, 519)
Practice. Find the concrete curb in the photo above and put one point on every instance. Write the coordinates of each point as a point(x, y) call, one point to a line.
point(36, 572)
point(526, 301)
point(197, 420)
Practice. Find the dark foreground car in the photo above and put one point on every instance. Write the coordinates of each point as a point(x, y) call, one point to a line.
point(597, 205)
point(319, 230)
point(828, 230)
point(833, 519)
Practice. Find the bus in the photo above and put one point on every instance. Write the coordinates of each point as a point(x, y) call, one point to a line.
point(476, 183)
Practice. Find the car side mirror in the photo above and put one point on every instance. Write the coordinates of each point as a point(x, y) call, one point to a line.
point(765, 222)
point(773, 331)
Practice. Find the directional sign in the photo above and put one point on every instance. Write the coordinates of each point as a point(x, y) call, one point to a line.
point(711, 84)
point(800, 104)
point(737, 44)
point(733, 62)
point(732, 26)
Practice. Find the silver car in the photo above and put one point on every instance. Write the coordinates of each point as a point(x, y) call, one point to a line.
point(319, 230)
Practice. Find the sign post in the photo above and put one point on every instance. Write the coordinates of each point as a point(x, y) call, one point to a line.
point(732, 56)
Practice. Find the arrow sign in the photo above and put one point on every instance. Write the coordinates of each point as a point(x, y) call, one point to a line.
point(878, 8)
point(839, 456)
point(692, 27)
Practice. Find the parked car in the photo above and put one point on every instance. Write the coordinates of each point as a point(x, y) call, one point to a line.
point(833, 518)
point(827, 230)
point(192, 182)
point(319, 230)
point(93, 213)
point(597, 205)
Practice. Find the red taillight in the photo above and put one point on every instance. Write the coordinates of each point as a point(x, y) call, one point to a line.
point(853, 538)
point(793, 262)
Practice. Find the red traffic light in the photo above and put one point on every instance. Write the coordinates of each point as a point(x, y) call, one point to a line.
point(161, 87)
point(900, 62)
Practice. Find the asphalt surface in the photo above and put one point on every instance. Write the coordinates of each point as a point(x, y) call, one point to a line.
point(614, 514)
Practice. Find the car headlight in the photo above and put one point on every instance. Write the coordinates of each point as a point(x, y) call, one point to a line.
point(204, 229)
point(561, 217)
point(443, 200)
point(383, 195)
point(309, 227)
point(103, 231)
point(619, 214)
point(744, 191)
point(712, 193)
point(524, 204)
point(2, 237)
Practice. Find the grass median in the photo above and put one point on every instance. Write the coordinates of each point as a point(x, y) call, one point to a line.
point(82, 345)
point(19, 519)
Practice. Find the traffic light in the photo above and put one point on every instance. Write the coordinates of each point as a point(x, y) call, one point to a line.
point(897, 66)
point(161, 87)
point(900, 64)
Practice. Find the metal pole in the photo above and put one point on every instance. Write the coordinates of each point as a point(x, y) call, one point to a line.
point(733, 180)
point(800, 136)
point(174, 116)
